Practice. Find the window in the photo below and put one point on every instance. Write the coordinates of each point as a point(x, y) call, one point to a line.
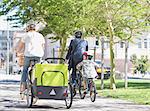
point(0, 33)
point(4, 33)
point(121, 44)
point(139, 43)
point(11, 33)
point(97, 42)
point(145, 43)
point(4, 44)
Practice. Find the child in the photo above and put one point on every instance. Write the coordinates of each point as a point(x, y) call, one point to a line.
point(88, 68)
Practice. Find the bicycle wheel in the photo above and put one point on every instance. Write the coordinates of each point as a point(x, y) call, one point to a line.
point(81, 89)
point(29, 94)
point(69, 97)
point(73, 86)
point(92, 91)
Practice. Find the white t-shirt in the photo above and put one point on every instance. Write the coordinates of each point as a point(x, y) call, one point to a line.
point(34, 42)
point(88, 68)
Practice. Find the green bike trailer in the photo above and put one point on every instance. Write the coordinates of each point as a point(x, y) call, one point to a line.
point(51, 82)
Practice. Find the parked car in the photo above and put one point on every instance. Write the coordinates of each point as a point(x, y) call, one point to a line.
point(106, 70)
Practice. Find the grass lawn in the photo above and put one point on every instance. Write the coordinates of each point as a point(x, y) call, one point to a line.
point(138, 90)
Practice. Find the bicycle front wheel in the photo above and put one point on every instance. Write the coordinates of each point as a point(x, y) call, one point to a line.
point(81, 89)
point(92, 91)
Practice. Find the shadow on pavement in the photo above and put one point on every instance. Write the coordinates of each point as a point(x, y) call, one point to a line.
point(8, 81)
point(40, 107)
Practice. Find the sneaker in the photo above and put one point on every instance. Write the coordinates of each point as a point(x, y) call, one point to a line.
point(35, 100)
point(85, 91)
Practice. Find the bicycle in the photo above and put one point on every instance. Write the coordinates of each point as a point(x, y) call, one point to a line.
point(30, 86)
point(90, 87)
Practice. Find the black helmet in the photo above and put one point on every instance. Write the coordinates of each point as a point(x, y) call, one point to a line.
point(78, 34)
point(31, 27)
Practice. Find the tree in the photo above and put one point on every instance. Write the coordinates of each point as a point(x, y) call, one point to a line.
point(143, 64)
point(140, 64)
point(118, 19)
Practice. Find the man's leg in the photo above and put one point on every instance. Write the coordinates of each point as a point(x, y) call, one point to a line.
point(25, 70)
point(74, 69)
point(73, 74)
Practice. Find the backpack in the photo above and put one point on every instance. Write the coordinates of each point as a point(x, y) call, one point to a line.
point(79, 50)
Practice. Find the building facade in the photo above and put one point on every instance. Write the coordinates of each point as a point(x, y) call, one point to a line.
point(140, 46)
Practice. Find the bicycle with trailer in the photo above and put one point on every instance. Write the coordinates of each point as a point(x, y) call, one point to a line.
point(49, 81)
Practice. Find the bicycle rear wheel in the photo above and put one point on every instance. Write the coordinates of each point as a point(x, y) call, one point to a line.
point(92, 91)
point(81, 88)
point(29, 94)
point(69, 96)
point(73, 85)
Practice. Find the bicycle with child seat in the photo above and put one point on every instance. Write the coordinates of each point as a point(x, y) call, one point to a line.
point(90, 87)
point(40, 86)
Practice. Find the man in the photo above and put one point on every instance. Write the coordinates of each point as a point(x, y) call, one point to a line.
point(76, 48)
point(33, 43)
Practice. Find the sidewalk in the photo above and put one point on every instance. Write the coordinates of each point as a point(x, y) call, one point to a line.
point(139, 76)
point(9, 78)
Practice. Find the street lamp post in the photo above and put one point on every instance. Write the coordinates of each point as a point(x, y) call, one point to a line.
point(126, 64)
point(7, 63)
point(102, 63)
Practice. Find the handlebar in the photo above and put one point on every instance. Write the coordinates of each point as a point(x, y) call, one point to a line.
point(55, 59)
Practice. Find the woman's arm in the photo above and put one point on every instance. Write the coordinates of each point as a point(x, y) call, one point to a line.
point(20, 46)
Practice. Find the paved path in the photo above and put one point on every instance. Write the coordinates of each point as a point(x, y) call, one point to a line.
point(10, 101)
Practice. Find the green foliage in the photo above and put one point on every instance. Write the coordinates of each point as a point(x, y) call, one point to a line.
point(91, 16)
point(141, 64)
point(133, 59)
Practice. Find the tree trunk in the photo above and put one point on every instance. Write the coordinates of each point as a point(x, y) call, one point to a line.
point(112, 57)
point(63, 42)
